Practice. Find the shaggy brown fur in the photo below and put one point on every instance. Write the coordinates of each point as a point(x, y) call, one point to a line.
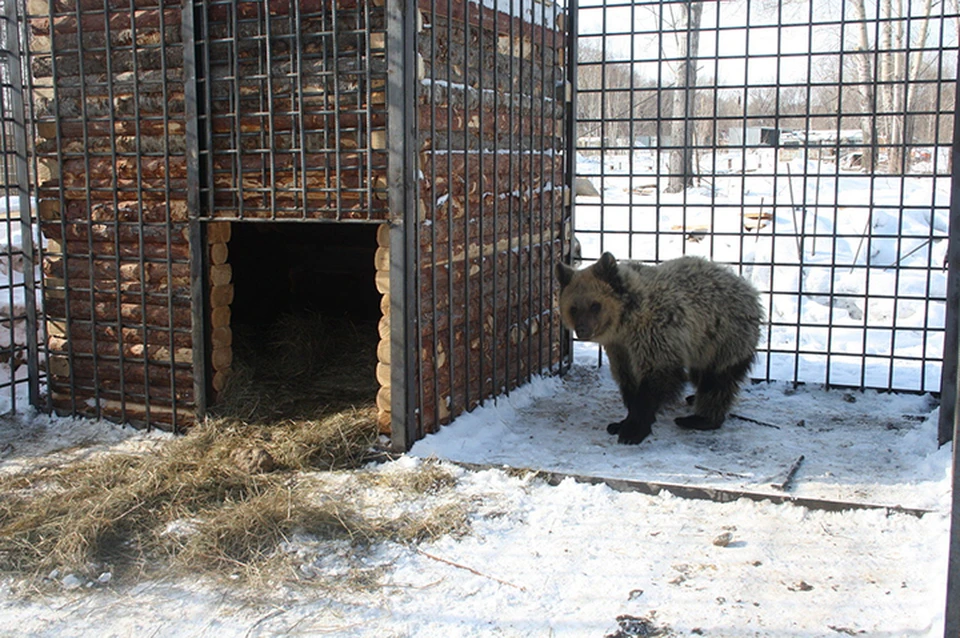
point(659, 324)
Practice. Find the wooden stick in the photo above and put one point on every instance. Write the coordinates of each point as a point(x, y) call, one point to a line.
point(469, 569)
point(752, 420)
point(721, 472)
point(790, 474)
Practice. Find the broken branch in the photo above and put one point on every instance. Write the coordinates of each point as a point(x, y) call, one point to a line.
point(752, 420)
point(790, 474)
point(469, 569)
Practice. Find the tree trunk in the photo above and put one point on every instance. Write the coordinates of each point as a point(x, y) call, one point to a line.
point(913, 73)
point(682, 130)
point(865, 77)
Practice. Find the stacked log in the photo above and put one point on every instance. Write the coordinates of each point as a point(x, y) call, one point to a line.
point(220, 294)
point(108, 86)
point(382, 262)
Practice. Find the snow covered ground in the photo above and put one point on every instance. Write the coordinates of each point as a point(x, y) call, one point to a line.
point(586, 560)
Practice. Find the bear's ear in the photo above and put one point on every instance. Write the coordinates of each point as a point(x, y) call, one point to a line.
point(564, 274)
point(607, 267)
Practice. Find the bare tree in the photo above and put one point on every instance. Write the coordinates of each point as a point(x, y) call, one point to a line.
point(610, 97)
point(681, 166)
point(886, 73)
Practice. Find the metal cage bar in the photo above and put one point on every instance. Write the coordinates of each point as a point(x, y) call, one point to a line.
point(18, 320)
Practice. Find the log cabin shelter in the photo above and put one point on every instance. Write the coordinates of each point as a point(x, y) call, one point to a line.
point(203, 166)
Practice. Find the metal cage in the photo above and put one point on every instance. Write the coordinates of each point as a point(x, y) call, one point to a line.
point(806, 144)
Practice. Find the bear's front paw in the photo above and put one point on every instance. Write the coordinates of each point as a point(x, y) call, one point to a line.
point(631, 438)
point(614, 428)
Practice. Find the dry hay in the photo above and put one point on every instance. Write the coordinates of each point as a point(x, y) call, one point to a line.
point(189, 506)
point(300, 366)
point(223, 497)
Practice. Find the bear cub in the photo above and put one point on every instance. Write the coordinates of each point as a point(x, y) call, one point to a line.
point(687, 318)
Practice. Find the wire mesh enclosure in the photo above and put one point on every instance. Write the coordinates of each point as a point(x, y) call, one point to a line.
point(806, 143)
point(20, 374)
point(491, 124)
point(292, 109)
point(111, 180)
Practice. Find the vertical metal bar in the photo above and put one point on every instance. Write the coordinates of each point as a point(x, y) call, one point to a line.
point(168, 231)
point(541, 222)
point(466, 212)
point(197, 244)
point(451, 349)
point(496, 384)
point(512, 234)
point(233, 11)
point(62, 204)
point(365, 153)
point(36, 253)
point(329, 109)
point(337, 127)
point(204, 119)
point(141, 244)
point(115, 201)
point(570, 131)
point(269, 111)
point(949, 425)
point(936, 170)
point(483, 180)
point(559, 178)
point(17, 107)
point(8, 166)
point(435, 336)
point(297, 117)
point(402, 182)
point(526, 153)
point(949, 388)
point(658, 159)
point(88, 202)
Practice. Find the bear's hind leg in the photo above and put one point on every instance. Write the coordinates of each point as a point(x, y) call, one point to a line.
point(716, 392)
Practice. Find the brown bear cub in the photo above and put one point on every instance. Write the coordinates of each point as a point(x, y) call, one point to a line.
point(659, 324)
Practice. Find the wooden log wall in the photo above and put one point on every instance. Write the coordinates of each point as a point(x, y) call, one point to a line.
point(491, 108)
point(297, 99)
point(108, 93)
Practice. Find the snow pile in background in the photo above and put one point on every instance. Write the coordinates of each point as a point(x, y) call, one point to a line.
point(842, 248)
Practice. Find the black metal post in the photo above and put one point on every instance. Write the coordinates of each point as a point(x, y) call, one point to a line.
point(949, 426)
